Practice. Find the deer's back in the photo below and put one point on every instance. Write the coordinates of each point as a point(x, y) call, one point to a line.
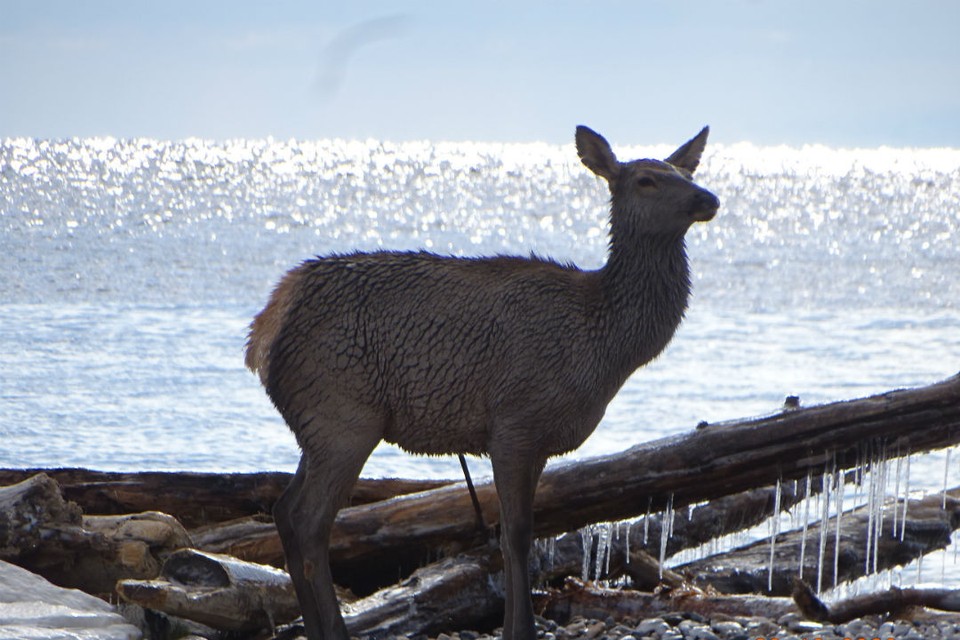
point(441, 351)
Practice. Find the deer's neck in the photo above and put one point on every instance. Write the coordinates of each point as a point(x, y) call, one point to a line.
point(645, 290)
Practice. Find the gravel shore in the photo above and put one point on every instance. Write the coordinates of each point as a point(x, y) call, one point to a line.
point(690, 626)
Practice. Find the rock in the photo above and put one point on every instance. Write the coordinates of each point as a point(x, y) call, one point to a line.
point(31, 608)
point(652, 626)
point(727, 628)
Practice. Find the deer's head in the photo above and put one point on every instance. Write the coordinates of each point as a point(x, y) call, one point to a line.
point(651, 196)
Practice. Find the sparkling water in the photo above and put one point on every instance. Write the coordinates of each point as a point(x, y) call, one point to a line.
point(131, 269)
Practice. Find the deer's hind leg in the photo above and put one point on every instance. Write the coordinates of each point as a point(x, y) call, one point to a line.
point(516, 476)
point(328, 471)
point(285, 517)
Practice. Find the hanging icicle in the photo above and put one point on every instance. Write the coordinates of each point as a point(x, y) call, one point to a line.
point(946, 475)
point(626, 542)
point(881, 503)
point(838, 489)
point(774, 530)
point(871, 510)
point(666, 530)
point(896, 489)
point(906, 498)
point(586, 539)
point(646, 521)
point(806, 520)
point(824, 517)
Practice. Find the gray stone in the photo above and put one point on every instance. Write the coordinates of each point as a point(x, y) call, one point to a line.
point(652, 626)
point(727, 627)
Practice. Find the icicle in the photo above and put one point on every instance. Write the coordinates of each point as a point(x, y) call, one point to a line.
point(806, 519)
point(666, 529)
point(946, 473)
point(896, 489)
point(824, 516)
point(604, 533)
point(943, 566)
point(646, 521)
point(906, 498)
point(794, 512)
point(871, 506)
point(606, 562)
point(839, 487)
point(858, 473)
point(626, 542)
point(774, 530)
point(586, 538)
point(551, 551)
point(881, 500)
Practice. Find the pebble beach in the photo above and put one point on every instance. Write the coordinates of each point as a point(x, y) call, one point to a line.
point(692, 626)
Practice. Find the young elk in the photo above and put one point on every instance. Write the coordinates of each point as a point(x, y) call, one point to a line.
point(515, 358)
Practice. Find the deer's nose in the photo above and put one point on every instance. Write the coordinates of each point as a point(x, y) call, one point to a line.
point(705, 206)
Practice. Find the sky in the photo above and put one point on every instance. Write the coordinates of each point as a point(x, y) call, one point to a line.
point(838, 72)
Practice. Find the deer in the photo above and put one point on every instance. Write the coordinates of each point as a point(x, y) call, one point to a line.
point(514, 358)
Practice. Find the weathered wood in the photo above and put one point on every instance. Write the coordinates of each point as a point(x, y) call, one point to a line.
point(93, 555)
point(745, 570)
point(893, 603)
point(461, 592)
point(646, 572)
point(42, 532)
point(218, 591)
point(28, 511)
point(253, 539)
point(705, 464)
point(195, 499)
point(590, 601)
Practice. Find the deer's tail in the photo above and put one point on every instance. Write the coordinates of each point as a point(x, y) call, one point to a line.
point(267, 324)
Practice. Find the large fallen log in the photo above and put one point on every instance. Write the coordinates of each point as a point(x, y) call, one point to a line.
point(195, 499)
point(253, 539)
point(746, 570)
point(710, 462)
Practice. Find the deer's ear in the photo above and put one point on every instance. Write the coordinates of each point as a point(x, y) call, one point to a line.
point(596, 154)
point(688, 156)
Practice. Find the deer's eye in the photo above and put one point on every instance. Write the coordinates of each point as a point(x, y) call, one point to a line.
point(646, 182)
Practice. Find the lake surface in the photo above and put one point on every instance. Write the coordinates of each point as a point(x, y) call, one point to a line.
point(130, 270)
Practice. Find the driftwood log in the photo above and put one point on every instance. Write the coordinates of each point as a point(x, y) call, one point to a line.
point(708, 463)
point(591, 601)
point(218, 591)
point(746, 570)
point(254, 539)
point(30, 509)
point(894, 603)
point(47, 535)
point(195, 499)
point(462, 592)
